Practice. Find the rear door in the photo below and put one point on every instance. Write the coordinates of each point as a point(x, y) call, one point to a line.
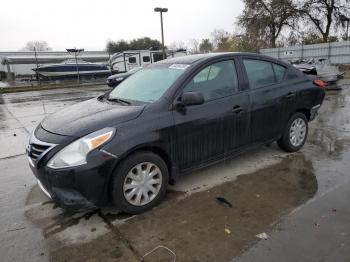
point(270, 97)
point(208, 131)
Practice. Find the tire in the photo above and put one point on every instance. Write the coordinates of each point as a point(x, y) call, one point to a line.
point(134, 177)
point(286, 142)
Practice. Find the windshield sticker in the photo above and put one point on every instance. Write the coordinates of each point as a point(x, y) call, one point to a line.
point(179, 66)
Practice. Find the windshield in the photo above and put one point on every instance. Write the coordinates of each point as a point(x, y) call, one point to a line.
point(147, 85)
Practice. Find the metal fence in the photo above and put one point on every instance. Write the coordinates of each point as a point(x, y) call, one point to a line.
point(336, 53)
point(21, 63)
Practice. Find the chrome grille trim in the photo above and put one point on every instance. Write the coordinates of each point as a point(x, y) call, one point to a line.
point(44, 190)
point(37, 149)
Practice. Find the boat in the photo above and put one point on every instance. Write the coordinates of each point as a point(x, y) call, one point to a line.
point(73, 67)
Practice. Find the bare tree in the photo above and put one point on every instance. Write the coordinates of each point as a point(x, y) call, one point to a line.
point(221, 40)
point(267, 18)
point(177, 45)
point(206, 46)
point(36, 45)
point(193, 46)
point(325, 15)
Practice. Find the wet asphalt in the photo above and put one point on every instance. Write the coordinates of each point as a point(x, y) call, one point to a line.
point(317, 230)
point(20, 113)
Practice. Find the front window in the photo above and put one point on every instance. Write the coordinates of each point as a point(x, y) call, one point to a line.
point(215, 81)
point(149, 84)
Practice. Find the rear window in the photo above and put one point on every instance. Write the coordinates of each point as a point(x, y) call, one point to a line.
point(260, 73)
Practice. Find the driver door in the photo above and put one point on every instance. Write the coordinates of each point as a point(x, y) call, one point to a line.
point(205, 132)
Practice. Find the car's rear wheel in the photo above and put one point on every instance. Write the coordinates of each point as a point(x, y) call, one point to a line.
point(295, 133)
point(139, 183)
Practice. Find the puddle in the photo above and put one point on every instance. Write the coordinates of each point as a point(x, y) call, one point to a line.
point(331, 129)
point(196, 228)
point(104, 248)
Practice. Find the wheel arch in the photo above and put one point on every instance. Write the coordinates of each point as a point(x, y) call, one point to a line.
point(305, 111)
point(156, 150)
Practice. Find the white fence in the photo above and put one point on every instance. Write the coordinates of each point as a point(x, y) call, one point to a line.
point(337, 52)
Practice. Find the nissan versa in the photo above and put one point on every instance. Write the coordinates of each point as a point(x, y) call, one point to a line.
point(124, 147)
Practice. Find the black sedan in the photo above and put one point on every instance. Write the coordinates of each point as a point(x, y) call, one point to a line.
point(116, 79)
point(174, 116)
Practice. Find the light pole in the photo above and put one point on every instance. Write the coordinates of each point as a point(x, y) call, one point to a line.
point(161, 11)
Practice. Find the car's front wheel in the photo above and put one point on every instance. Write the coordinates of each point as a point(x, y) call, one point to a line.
point(295, 133)
point(139, 183)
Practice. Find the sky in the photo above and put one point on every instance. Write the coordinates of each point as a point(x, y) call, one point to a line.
point(89, 24)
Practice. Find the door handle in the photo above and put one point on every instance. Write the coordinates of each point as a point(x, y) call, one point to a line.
point(237, 109)
point(290, 95)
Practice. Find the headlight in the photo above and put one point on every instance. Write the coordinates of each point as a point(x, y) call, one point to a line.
point(75, 153)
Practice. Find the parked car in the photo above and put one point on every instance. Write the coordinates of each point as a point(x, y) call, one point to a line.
point(322, 69)
point(174, 116)
point(116, 79)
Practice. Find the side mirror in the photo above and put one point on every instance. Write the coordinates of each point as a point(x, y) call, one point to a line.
point(192, 98)
point(189, 99)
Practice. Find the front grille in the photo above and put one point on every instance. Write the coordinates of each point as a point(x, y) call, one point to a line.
point(37, 149)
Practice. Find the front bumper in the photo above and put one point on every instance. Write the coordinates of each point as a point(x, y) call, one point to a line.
point(44, 189)
point(78, 188)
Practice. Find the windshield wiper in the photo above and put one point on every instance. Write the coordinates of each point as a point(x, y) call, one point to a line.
point(118, 100)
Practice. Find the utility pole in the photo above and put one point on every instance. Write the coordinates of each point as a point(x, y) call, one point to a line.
point(161, 11)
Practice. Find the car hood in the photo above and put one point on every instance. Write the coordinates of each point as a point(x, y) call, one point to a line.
point(88, 116)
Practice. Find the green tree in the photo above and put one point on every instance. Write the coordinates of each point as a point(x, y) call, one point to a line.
point(144, 43)
point(119, 46)
point(244, 43)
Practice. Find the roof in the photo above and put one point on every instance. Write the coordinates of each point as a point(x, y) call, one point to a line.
point(190, 59)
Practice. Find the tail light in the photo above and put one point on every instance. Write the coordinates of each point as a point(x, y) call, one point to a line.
point(319, 83)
